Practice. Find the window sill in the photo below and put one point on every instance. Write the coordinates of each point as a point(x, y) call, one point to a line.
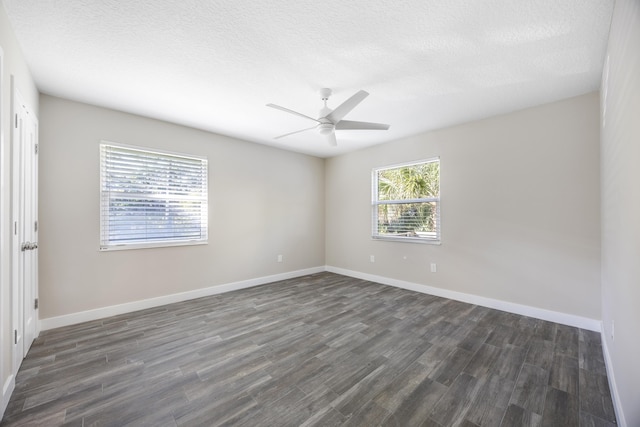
point(129, 246)
point(405, 239)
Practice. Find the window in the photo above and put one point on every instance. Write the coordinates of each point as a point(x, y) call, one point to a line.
point(406, 202)
point(150, 198)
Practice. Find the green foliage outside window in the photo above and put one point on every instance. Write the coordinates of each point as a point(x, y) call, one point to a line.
point(408, 198)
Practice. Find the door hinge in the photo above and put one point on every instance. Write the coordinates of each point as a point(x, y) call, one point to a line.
point(35, 305)
point(16, 121)
point(15, 336)
point(15, 228)
point(37, 147)
point(35, 226)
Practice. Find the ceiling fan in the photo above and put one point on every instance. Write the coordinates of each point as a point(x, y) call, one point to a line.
point(331, 120)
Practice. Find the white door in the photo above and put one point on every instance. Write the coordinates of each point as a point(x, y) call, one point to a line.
point(24, 146)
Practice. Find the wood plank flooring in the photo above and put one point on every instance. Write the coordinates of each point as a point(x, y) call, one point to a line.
point(320, 350)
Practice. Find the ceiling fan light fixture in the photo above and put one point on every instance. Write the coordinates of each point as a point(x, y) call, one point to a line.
point(325, 128)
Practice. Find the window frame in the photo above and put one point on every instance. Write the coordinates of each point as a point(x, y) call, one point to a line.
point(105, 246)
point(375, 203)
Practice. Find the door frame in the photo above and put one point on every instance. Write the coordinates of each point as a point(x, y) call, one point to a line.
point(22, 117)
point(5, 306)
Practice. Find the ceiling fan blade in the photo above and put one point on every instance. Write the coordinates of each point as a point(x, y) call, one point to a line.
point(331, 137)
point(343, 109)
point(293, 133)
point(351, 125)
point(286, 110)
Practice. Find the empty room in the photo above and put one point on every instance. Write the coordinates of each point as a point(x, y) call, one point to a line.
point(293, 213)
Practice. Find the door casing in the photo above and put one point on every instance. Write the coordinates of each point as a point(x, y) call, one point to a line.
point(24, 265)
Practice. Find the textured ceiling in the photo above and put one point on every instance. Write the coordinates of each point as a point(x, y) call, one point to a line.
point(214, 65)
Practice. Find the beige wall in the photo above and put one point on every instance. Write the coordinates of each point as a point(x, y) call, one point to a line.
point(13, 65)
point(520, 209)
point(621, 207)
point(263, 202)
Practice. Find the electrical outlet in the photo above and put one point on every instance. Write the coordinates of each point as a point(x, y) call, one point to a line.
point(372, 258)
point(433, 267)
point(279, 258)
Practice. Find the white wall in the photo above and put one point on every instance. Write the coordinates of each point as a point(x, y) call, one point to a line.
point(13, 65)
point(621, 208)
point(263, 202)
point(519, 204)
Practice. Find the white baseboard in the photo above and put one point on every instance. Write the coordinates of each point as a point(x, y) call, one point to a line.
point(101, 313)
point(7, 390)
point(612, 383)
point(524, 310)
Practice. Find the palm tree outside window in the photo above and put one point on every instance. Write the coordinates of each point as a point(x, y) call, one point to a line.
point(406, 202)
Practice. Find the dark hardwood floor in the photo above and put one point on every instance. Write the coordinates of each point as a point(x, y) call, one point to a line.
point(319, 350)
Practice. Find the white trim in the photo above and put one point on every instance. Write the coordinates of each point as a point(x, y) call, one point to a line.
point(17, 312)
point(100, 313)
point(524, 310)
point(150, 245)
point(420, 240)
point(615, 396)
point(407, 164)
point(7, 391)
point(3, 259)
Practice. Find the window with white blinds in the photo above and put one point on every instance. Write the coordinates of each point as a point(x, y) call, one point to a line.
point(406, 202)
point(151, 198)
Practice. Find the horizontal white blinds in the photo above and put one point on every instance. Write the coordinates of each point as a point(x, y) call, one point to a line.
point(151, 197)
point(413, 219)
